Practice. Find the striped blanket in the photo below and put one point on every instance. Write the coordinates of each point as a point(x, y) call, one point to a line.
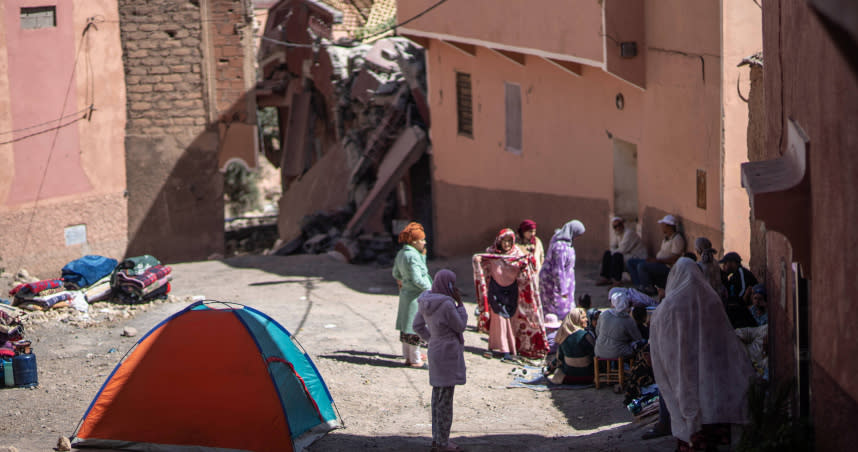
point(34, 288)
point(48, 301)
point(144, 286)
point(99, 291)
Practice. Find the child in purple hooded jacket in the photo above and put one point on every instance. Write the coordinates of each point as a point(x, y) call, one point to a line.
point(441, 320)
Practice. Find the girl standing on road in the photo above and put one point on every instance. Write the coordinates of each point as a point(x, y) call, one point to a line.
point(412, 276)
point(508, 306)
point(441, 320)
point(557, 278)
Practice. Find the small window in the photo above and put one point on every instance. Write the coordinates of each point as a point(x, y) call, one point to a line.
point(513, 117)
point(464, 107)
point(38, 17)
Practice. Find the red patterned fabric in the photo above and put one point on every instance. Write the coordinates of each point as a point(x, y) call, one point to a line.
point(530, 337)
point(36, 287)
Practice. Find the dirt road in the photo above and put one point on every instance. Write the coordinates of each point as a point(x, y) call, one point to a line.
point(344, 316)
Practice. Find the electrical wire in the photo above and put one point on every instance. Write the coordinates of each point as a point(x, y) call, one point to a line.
point(405, 22)
point(365, 38)
point(90, 24)
point(36, 126)
point(82, 117)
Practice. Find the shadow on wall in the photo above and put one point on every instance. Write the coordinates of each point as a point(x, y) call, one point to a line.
point(182, 219)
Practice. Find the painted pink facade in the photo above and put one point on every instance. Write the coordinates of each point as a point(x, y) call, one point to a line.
point(61, 166)
point(582, 148)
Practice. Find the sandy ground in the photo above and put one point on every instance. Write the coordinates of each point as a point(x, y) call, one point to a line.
point(344, 316)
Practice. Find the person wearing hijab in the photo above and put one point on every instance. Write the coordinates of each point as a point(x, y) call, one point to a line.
point(509, 307)
point(636, 297)
point(574, 361)
point(557, 278)
point(441, 320)
point(699, 364)
point(707, 263)
point(412, 276)
point(527, 241)
point(616, 330)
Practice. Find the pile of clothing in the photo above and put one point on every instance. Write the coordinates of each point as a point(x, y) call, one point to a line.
point(96, 278)
point(11, 328)
point(140, 279)
point(41, 295)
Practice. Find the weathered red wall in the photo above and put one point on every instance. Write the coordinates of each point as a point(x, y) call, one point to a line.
point(808, 80)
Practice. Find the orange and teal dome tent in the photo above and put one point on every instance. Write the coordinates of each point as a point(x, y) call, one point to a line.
point(213, 376)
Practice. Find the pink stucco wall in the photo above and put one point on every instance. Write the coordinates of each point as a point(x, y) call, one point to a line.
point(675, 124)
point(85, 181)
point(742, 37)
point(571, 28)
point(42, 88)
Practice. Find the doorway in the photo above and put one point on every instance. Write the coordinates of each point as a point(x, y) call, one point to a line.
point(626, 180)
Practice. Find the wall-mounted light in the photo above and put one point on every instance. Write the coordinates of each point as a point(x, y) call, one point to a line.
point(628, 49)
point(620, 101)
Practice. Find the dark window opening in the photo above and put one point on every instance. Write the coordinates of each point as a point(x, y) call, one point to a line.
point(513, 117)
point(464, 106)
point(38, 17)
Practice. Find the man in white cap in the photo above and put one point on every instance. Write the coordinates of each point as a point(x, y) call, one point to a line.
point(653, 272)
point(625, 245)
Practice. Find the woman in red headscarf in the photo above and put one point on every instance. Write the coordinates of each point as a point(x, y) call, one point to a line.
point(527, 241)
point(508, 300)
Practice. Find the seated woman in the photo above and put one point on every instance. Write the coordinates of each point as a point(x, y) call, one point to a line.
point(574, 361)
point(616, 330)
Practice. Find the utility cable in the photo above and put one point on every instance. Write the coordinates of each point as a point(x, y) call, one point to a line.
point(90, 24)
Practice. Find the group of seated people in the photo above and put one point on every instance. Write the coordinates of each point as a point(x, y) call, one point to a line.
point(623, 330)
point(587, 332)
point(744, 299)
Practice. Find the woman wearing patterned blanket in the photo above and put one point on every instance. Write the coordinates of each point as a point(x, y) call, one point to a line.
point(509, 308)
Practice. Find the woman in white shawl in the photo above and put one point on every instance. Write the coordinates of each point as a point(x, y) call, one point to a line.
point(699, 364)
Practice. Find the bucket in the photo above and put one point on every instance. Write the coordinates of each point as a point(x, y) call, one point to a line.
point(7, 376)
point(26, 374)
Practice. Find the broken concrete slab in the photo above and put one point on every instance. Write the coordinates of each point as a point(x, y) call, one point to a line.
point(404, 152)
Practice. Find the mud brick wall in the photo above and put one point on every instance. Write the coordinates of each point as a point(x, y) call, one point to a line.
point(230, 25)
point(175, 191)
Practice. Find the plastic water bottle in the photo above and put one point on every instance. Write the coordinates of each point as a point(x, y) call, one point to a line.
point(639, 404)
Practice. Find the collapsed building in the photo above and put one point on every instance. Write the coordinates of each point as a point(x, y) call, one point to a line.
point(353, 134)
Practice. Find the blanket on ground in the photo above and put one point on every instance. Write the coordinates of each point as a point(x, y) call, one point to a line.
point(35, 287)
point(530, 377)
point(85, 271)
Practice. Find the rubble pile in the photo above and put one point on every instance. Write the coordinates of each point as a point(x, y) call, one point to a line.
point(381, 119)
point(250, 234)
